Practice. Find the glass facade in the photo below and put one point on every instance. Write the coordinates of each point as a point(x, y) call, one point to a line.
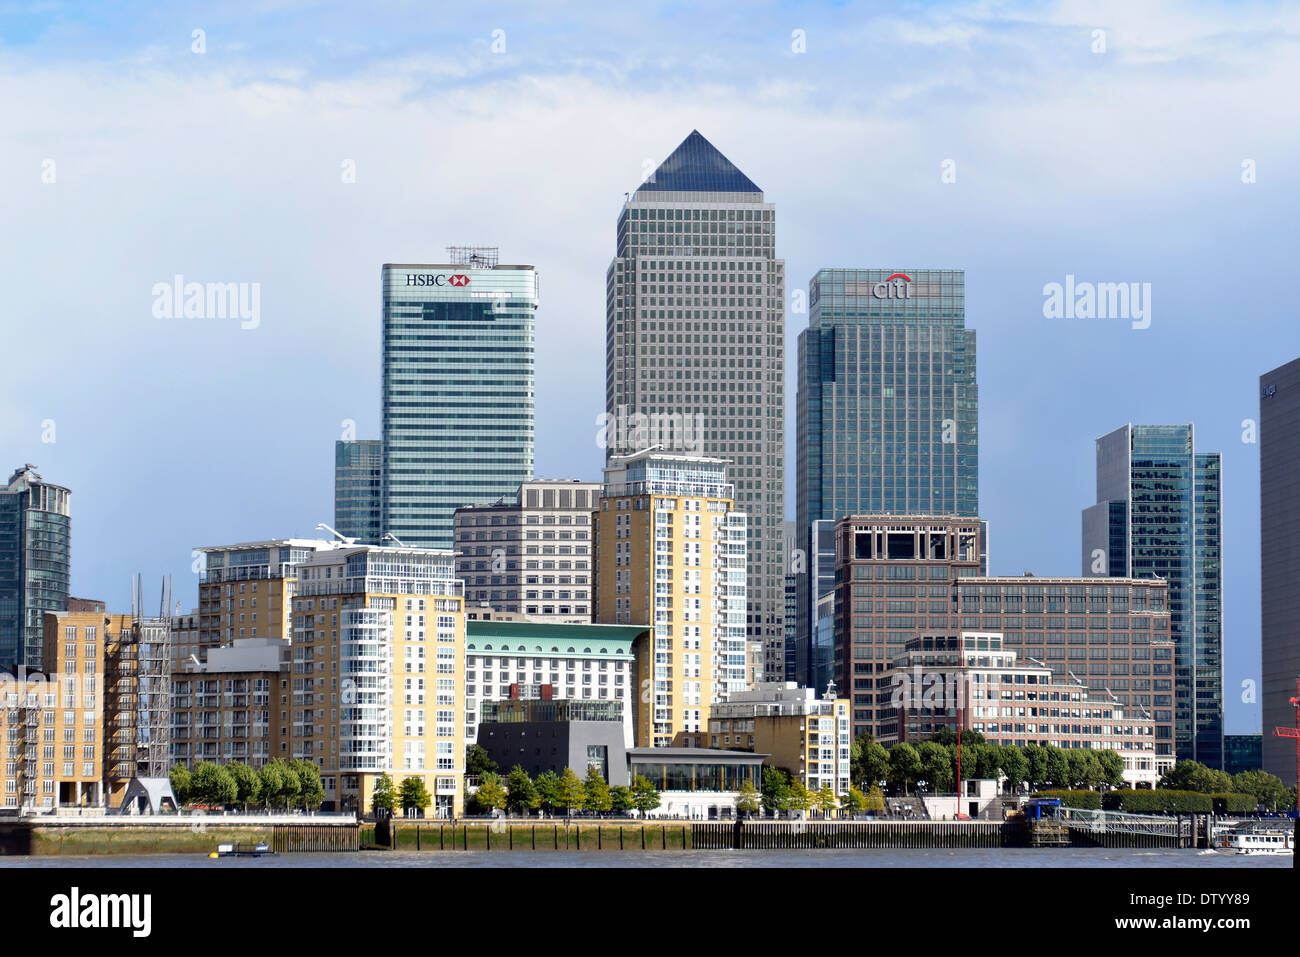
point(1158, 516)
point(458, 372)
point(887, 404)
point(695, 326)
point(358, 482)
point(34, 564)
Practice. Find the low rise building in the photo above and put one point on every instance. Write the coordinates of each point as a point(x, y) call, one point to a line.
point(971, 680)
point(696, 783)
point(804, 734)
point(546, 734)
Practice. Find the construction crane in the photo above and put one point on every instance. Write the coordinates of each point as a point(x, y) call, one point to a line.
point(1294, 733)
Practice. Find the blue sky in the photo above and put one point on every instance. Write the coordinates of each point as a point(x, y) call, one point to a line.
point(225, 165)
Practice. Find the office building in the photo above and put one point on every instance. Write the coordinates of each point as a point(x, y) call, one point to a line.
point(529, 554)
point(34, 563)
point(378, 673)
point(900, 578)
point(358, 490)
point(246, 591)
point(695, 346)
point(457, 389)
point(974, 681)
point(806, 734)
point(1158, 516)
point(670, 554)
point(1244, 752)
point(1279, 562)
point(887, 406)
point(185, 638)
point(577, 662)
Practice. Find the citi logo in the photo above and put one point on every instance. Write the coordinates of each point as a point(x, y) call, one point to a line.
point(436, 279)
point(897, 286)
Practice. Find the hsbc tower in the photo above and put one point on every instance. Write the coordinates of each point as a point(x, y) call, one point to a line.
point(457, 389)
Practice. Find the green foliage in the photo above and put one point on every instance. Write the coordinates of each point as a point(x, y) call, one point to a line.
point(248, 785)
point(868, 760)
point(384, 798)
point(775, 788)
point(572, 794)
point(1112, 768)
point(521, 793)
point(904, 766)
point(826, 800)
point(548, 792)
point(1160, 800)
point(1088, 800)
point(1194, 776)
point(875, 800)
point(748, 800)
point(181, 782)
point(210, 784)
point(801, 799)
point(1266, 789)
point(597, 796)
point(478, 762)
point(936, 766)
point(413, 794)
point(621, 798)
point(1233, 803)
point(311, 790)
point(645, 796)
point(1014, 765)
point(947, 736)
point(855, 802)
point(490, 794)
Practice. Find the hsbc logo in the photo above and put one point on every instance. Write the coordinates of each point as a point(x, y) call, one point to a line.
point(436, 279)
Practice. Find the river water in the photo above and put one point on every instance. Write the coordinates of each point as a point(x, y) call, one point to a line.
point(872, 858)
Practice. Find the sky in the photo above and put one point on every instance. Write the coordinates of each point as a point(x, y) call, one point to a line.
point(300, 145)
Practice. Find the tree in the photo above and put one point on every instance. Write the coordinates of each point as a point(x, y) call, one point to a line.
point(1112, 768)
point(1036, 774)
point(572, 794)
point(213, 785)
point(1058, 766)
point(1014, 765)
point(855, 802)
point(490, 794)
point(748, 800)
point(597, 798)
point(875, 800)
point(826, 800)
point(1267, 789)
point(801, 799)
point(904, 766)
point(270, 780)
point(478, 761)
point(181, 784)
point(548, 791)
point(936, 766)
point(645, 796)
point(868, 761)
point(947, 736)
point(414, 795)
point(775, 788)
point(383, 799)
point(291, 784)
point(311, 791)
point(521, 793)
point(621, 798)
point(1194, 776)
point(248, 786)
point(987, 759)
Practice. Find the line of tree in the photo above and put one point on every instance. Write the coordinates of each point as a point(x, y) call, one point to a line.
point(1267, 790)
point(277, 785)
point(934, 763)
point(783, 791)
point(559, 793)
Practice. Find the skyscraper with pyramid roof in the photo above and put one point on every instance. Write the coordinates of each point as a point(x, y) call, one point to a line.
point(695, 348)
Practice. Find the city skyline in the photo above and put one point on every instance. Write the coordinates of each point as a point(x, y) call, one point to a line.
point(1128, 201)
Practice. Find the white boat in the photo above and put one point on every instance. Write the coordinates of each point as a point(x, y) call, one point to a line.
point(1258, 841)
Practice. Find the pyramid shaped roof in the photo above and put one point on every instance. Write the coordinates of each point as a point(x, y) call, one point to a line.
point(696, 166)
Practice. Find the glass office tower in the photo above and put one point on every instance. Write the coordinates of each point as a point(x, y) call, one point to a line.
point(887, 407)
point(1279, 560)
point(695, 344)
point(1158, 516)
point(457, 390)
point(35, 559)
point(358, 487)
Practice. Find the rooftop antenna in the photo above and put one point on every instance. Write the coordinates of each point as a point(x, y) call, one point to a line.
point(343, 539)
point(390, 537)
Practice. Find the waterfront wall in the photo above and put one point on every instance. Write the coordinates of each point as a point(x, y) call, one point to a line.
point(196, 835)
